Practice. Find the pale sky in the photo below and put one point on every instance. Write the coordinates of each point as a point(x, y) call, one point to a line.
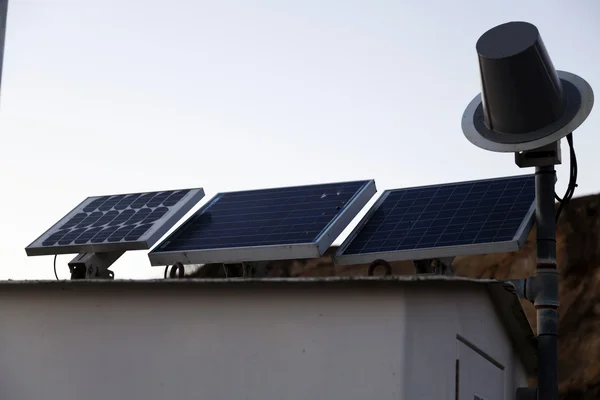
point(103, 97)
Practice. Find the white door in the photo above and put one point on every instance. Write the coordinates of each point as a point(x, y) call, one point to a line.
point(479, 377)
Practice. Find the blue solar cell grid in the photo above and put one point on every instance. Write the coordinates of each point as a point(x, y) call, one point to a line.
point(486, 211)
point(282, 216)
point(112, 219)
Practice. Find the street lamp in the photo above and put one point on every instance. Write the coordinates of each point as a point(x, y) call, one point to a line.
point(526, 107)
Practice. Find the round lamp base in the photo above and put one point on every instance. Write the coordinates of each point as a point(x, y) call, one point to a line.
point(579, 98)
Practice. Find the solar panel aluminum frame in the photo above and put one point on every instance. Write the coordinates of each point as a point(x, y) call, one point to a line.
point(146, 241)
point(339, 258)
point(313, 249)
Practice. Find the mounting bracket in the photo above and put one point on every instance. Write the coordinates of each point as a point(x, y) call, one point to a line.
point(540, 289)
point(250, 269)
point(93, 265)
point(435, 266)
point(255, 269)
point(540, 157)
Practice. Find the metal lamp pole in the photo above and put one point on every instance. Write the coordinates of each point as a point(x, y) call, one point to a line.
point(526, 107)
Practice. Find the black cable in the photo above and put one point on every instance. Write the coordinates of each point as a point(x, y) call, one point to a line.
point(55, 274)
point(378, 262)
point(572, 173)
point(177, 270)
point(572, 179)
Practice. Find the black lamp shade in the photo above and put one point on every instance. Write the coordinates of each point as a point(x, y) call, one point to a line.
point(521, 91)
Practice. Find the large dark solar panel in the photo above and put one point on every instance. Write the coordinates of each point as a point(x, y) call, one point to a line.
point(124, 222)
point(291, 222)
point(485, 216)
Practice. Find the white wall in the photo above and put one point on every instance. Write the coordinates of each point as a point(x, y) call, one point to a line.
point(231, 342)
point(208, 344)
point(432, 345)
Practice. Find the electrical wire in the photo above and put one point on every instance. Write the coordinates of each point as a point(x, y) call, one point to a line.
point(55, 274)
point(378, 262)
point(177, 271)
point(572, 179)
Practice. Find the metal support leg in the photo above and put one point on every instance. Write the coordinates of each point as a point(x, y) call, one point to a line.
point(93, 265)
point(546, 299)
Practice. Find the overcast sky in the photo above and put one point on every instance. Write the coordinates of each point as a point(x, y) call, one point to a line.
point(103, 97)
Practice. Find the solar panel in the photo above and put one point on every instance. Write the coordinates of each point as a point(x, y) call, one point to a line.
point(132, 221)
point(484, 216)
point(268, 224)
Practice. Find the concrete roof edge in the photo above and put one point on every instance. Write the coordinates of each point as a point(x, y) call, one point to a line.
point(145, 283)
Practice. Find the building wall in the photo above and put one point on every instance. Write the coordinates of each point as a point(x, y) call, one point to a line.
point(208, 344)
point(441, 328)
point(227, 342)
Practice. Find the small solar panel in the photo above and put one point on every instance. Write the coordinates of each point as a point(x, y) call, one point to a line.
point(268, 224)
point(484, 216)
point(132, 221)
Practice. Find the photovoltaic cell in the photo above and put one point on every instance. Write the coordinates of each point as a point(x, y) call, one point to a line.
point(264, 219)
point(124, 220)
point(444, 220)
